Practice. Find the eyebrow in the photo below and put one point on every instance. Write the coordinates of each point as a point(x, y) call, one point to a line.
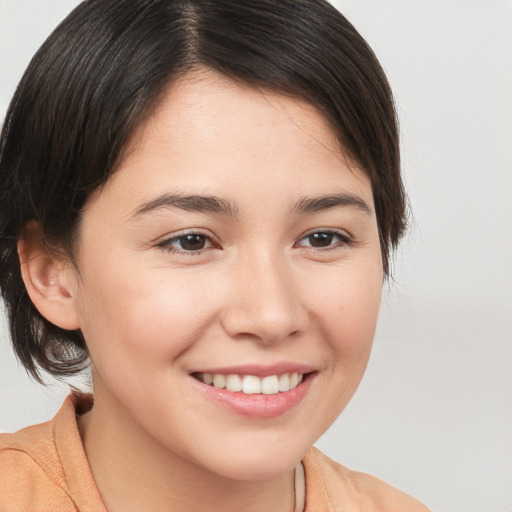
point(318, 204)
point(212, 204)
point(190, 203)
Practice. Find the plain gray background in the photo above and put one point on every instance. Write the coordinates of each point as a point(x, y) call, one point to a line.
point(433, 415)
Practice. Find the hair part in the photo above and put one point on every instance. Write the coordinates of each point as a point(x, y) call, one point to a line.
point(104, 69)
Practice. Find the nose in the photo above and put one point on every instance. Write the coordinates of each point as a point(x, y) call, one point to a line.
point(265, 303)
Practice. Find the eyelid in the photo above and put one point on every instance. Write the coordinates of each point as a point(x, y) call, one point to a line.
point(165, 244)
point(346, 240)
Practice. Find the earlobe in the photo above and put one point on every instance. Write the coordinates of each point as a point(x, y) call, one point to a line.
point(47, 279)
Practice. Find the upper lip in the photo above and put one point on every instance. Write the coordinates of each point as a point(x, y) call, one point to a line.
point(259, 370)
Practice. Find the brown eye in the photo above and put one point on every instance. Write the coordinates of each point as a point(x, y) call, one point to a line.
point(191, 242)
point(320, 239)
point(325, 240)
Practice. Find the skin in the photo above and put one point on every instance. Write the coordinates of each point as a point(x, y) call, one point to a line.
point(256, 292)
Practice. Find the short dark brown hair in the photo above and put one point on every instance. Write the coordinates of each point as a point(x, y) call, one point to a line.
point(103, 70)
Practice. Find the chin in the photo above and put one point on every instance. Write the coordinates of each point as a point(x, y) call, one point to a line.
point(260, 460)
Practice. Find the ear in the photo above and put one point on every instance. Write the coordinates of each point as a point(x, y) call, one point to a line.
point(49, 279)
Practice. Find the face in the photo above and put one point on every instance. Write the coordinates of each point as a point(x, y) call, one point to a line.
point(236, 244)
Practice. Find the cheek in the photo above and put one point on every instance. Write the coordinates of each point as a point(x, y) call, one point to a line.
point(150, 318)
point(347, 307)
point(349, 312)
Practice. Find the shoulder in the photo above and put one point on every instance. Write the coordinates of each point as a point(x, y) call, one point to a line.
point(332, 487)
point(31, 473)
point(44, 467)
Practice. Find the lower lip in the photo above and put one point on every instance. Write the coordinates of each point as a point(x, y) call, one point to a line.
point(257, 405)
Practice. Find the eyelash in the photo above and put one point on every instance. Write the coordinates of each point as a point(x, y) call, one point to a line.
point(170, 244)
point(344, 240)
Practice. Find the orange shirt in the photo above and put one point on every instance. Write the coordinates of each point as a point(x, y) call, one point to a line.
point(44, 468)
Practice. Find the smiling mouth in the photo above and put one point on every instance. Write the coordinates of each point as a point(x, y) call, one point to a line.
point(251, 384)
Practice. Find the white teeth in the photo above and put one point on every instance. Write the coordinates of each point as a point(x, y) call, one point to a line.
point(250, 384)
point(233, 383)
point(270, 385)
point(284, 382)
point(219, 381)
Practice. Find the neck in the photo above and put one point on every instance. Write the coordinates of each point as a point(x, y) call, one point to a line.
point(134, 472)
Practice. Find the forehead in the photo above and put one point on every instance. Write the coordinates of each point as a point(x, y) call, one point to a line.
point(209, 132)
point(207, 107)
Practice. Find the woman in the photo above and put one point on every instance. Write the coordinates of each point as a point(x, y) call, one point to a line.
point(201, 199)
